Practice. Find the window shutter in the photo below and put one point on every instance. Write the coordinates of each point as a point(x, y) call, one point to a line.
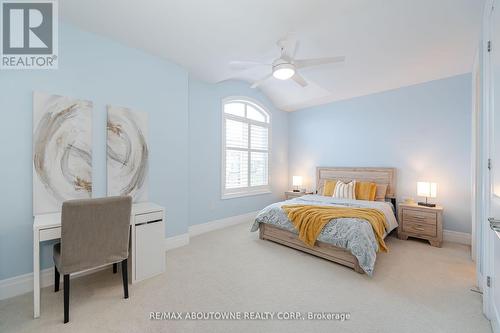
point(258, 137)
point(258, 159)
point(258, 169)
point(236, 169)
point(236, 134)
point(246, 149)
point(236, 159)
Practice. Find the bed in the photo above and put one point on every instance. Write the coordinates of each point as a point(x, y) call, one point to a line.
point(347, 241)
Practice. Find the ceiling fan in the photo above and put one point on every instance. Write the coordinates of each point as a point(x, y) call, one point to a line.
point(286, 66)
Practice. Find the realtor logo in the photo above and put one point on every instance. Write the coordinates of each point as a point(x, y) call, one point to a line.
point(29, 34)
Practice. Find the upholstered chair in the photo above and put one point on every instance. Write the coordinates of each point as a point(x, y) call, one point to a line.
point(94, 233)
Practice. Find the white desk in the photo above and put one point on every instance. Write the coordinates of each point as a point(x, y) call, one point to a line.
point(48, 226)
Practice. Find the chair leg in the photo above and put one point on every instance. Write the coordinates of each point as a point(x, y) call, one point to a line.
point(66, 298)
point(57, 277)
point(115, 268)
point(125, 277)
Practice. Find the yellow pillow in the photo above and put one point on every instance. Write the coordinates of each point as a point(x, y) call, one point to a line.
point(329, 187)
point(366, 191)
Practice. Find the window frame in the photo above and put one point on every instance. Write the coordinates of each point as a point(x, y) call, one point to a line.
point(249, 190)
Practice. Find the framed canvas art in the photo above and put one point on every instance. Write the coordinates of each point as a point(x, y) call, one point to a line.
point(127, 153)
point(62, 151)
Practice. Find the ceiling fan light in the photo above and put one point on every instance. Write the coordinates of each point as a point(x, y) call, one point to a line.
point(283, 71)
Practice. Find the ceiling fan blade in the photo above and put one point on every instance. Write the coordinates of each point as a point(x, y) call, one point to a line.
point(288, 45)
point(242, 65)
point(301, 63)
point(299, 79)
point(259, 82)
point(296, 48)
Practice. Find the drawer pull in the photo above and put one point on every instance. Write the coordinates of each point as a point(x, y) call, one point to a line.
point(419, 228)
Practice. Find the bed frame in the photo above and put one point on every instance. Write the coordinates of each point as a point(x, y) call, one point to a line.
point(325, 250)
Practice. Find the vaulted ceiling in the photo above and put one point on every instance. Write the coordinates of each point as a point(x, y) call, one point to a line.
point(387, 43)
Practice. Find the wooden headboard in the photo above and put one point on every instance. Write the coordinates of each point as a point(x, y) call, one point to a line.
point(375, 175)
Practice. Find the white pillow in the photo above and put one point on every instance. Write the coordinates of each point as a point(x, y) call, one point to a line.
point(345, 190)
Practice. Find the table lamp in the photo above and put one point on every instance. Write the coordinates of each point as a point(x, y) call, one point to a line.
point(297, 183)
point(427, 190)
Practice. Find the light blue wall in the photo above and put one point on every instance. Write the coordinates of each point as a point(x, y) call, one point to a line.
point(105, 72)
point(423, 130)
point(205, 142)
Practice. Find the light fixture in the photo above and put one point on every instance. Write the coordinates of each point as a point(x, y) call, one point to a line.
point(427, 190)
point(283, 70)
point(297, 183)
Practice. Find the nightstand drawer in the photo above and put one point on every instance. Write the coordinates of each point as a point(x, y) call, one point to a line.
point(419, 228)
point(419, 217)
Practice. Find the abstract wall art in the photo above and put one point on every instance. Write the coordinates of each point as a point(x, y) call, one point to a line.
point(127, 153)
point(62, 151)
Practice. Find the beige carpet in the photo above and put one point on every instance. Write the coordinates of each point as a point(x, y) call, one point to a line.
point(415, 288)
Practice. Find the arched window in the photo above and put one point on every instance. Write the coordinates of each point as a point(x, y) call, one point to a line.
point(245, 151)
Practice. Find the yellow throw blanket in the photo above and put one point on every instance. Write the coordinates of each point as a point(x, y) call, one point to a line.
point(310, 220)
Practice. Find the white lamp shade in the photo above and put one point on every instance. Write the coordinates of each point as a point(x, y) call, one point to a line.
point(433, 190)
point(427, 189)
point(297, 181)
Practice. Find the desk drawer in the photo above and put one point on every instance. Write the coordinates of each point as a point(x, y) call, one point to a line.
point(422, 229)
point(51, 233)
point(148, 217)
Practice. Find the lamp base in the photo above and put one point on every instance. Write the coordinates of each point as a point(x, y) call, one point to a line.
point(426, 204)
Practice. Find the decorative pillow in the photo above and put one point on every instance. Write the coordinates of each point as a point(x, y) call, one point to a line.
point(345, 190)
point(381, 192)
point(329, 187)
point(366, 191)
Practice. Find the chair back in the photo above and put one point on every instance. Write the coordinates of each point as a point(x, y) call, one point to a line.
point(94, 232)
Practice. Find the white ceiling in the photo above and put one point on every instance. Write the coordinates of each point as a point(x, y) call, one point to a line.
point(388, 43)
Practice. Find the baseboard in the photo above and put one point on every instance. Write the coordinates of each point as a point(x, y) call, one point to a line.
point(199, 229)
point(495, 321)
point(479, 281)
point(176, 241)
point(22, 284)
point(457, 237)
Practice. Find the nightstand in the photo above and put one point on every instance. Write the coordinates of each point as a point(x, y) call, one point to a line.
point(421, 222)
point(291, 194)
